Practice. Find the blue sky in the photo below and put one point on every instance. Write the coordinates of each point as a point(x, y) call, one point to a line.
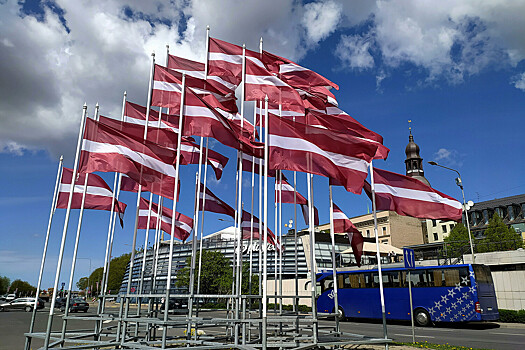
point(457, 71)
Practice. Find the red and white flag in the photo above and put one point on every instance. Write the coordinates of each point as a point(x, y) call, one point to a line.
point(196, 70)
point(214, 203)
point(286, 195)
point(164, 189)
point(98, 194)
point(410, 197)
point(299, 147)
point(183, 223)
point(247, 165)
point(246, 227)
point(167, 88)
point(108, 150)
point(342, 224)
point(259, 82)
point(342, 122)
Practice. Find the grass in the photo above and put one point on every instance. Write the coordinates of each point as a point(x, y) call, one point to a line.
point(427, 345)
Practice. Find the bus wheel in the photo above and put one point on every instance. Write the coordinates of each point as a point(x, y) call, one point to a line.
point(422, 317)
point(340, 314)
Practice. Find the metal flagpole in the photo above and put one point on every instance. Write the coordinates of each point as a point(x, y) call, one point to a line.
point(64, 232)
point(135, 230)
point(282, 245)
point(260, 251)
point(309, 178)
point(44, 253)
point(276, 229)
point(265, 240)
point(75, 250)
point(251, 210)
point(381, 290)
point(334, 274)
point(173, 219)
point(202, 225)
point(296, 300)
point(74, 260)
point(107, 258)
point(194, 244)
point(239, 205)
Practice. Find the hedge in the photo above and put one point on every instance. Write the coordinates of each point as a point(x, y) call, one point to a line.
point(512, 316)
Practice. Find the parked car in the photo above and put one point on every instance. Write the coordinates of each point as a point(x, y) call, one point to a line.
point(10, 297)
point(175, 304)
point(75, 304)
point(25, 304)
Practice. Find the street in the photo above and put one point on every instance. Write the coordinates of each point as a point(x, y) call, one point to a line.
point(14, 324)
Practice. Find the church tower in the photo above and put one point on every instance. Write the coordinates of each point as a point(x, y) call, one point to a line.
point(413, 162)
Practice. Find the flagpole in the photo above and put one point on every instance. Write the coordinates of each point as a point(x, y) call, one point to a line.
point(44, 253)
point(265, 240)
point(334, 274)
point(107, 258)
point(135, 230)
point(251, 210)
point(309, 179)
point(64, 232)
point(174, 215)
point(239, 205)
point(296, 300)
point(194, 244)
point(75, 251)
point(276, 229)
point(381, 290)
point(202, 225)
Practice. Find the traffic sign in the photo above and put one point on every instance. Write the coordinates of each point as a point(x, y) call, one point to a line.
point(408, 257)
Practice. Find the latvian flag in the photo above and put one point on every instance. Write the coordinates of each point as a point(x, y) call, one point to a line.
point(410, 197)
point(98, 194)
point(343, 225)
point(284, 192)
point(183, 223)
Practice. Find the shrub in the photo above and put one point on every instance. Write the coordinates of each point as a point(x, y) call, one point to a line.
point(512, 316)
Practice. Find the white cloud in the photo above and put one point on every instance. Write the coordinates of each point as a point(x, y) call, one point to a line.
point(519, 81)
point(449, 157)
point(442, 153)
point(321, 19)
point(354, 51)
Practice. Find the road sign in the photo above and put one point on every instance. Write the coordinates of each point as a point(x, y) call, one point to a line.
point(408, 257)
point(63, 285)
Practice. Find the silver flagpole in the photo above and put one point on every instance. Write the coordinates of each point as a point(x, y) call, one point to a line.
point(64, 232)
point(260, 251)
point(296, 300)
point(251, 210)
point(381, 290)
point(202, 225)
point(313, 268)
point(135, 230)
point(102, 303)
point(44, 253)
point(282, 245)
point(194, 244)
point(239, 205)
point(74, 260)
point(334, 274)
point(173, 219)
point(75, 250)
point(265, 240)
point(275, 253)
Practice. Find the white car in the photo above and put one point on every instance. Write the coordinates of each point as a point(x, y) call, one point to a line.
point(10, 297)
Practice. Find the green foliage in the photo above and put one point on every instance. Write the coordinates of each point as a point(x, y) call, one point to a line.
point(117, 269)
point(24, 288)
point(457, 239)
point(498, 237)
point(216, 275)
point(427, 345)
point(4, 284)
point(512, 316)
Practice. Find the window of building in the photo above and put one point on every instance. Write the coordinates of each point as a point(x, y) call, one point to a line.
point(384, 231)
point(368, 233)
point(444, 228)
point(451, 227)
point(436, 236)
point(434, 223)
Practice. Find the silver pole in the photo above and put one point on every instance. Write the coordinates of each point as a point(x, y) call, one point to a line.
point(64, 232)
point(313, 268)
point(175, 194)
point(202, 223)
point(44, 253)
point(265, 240)
point(411, 307)
point(334, 274)
point(251, 210)
point(381, 291)
point(194, 244)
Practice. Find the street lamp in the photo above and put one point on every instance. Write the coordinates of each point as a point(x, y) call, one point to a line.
point(465, 206)
point(89, 271)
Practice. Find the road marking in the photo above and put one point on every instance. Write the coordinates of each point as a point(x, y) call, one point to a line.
point(507, 333)
point(107, 321)
point(409, 335)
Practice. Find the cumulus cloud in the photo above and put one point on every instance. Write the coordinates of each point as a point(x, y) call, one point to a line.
point(519, 81)
point(354, 51)
point(448, 156)
point(321, 19)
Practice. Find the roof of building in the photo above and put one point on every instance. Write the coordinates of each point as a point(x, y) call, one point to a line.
point(499, 202)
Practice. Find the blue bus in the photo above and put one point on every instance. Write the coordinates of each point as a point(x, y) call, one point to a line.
point(450, 293)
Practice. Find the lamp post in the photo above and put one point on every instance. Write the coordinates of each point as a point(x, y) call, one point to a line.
point(89, 271)
point(465, 207)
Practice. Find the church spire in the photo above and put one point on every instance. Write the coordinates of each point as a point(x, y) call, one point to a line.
point(413, 162)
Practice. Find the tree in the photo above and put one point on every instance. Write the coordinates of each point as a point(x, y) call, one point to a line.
point(117, 269)
point(22, 287)
point(83, 283)
point(4, 284)
point(498, 236)
point(457, 240)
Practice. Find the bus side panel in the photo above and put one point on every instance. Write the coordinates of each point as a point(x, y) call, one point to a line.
point(355, 302)
point(486, 294)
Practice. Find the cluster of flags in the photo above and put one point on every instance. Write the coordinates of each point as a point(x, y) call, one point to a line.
point(307, 132)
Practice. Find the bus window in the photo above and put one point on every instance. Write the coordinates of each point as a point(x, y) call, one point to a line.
point(482, 273)
point(386, 281)
point(435, 278)
point(418, 278)
point(353, 280)
point(341, 280)
point(394, 279)
point(451, 277)
point(364, 280)
point(327, 283)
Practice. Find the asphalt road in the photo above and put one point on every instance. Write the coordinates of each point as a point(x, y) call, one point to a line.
point(14, 324)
